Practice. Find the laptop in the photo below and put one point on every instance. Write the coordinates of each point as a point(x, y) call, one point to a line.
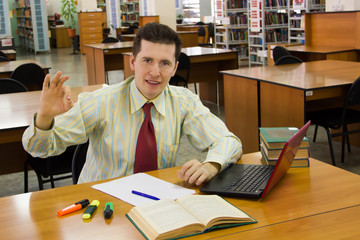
point(247, 180)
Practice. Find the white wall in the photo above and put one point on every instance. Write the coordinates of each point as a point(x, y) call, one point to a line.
point(166, 11)
point(342, 5)
point(54, 6)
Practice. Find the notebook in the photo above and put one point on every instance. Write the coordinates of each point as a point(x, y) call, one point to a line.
point(246, 180)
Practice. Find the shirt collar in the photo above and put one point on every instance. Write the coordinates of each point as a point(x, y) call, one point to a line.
point(137, 100)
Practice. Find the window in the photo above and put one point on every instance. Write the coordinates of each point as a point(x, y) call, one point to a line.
point(191, 11)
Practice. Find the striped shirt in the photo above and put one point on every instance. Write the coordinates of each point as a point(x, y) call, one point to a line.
point(111, 118)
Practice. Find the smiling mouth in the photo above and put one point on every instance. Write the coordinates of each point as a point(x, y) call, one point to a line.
point(152, 82)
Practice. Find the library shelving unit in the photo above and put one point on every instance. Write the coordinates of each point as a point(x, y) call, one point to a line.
point(273, 28)
point(32, 25)
point(296, 17)
point(129, 12)
point(234, 33)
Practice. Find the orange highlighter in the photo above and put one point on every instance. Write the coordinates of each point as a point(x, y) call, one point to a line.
point(76, 206)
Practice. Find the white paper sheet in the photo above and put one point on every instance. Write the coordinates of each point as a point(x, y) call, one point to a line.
point(121, 188)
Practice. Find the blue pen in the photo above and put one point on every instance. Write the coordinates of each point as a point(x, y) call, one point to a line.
point(144, 195)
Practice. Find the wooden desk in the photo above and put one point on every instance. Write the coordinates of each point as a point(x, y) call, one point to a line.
point(17, 111)
point(280, 96)
point(60, 37)
point(104, 57)
point(303, 193)
point(188, 38)
point(316, 53)
point(10, 53)
point(206, 63)
point(6, 68)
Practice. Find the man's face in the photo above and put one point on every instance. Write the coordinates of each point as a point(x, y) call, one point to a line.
point(154, 65)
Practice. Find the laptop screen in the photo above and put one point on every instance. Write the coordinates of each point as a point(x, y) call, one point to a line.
point(286, 158)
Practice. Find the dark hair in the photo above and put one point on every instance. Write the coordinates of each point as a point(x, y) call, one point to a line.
point(157, 33)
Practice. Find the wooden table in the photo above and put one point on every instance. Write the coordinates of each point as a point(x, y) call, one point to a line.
point(188, 38)
point(104, 57)
point(60, 37)
point(206, 63)
point(17, 111)
point(10, 53)
point(280, 96)
point(310, 200)
point(315, 53)
point(6, 68)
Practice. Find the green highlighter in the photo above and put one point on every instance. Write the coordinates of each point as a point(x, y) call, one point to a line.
point(108, 210)
point(91, 209)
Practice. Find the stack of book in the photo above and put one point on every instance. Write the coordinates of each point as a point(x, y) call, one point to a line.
point(272, 141)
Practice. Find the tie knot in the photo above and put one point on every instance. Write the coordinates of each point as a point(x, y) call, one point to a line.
point(147, 108)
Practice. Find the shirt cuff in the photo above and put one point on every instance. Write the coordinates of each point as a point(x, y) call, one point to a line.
point(40, 132)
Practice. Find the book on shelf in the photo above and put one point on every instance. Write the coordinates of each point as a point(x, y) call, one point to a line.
point(297, 162)
point(186, 216)
point(276, 137)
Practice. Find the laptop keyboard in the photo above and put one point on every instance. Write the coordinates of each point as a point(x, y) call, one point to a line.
point(252, 177)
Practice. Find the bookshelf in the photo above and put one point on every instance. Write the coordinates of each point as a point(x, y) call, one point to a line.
point(129, 12)
point(32, 25)
point(268, 24)
point(231, 30)
point(297, 11)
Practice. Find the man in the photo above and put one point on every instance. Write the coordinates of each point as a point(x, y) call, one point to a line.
point(111, 118)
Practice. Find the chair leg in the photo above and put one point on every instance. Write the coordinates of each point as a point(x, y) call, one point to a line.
point(315, 132)
point(40, 181)
point(107, 78)
point(330, 146)
point(195, 88)
point(52, 181)
point(26, 183)
point(342, 148)
point(347, 139)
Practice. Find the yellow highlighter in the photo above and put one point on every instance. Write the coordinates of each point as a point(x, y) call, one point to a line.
point(91, 209)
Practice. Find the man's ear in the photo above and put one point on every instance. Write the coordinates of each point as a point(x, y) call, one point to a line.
point(132, 62)
point(175, 68)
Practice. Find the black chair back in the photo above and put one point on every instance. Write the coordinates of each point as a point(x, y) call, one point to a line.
point(201, 32)
point(29, 74)
point(79, 160)
point(110, 40)
point(8, 85)
point(120, 37)
point(278, 52)
point(4, 59)
point(184, 64)
point(2, 54)
point(288, 59)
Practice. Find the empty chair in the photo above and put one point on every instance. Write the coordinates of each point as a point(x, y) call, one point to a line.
point(2, 54)
point(79, 160)
point(29, 74)
point(110, 40)
point(339, 118)
point(278, 52)
point(288, 59)
point(4, 59)
point(120, 38)
point(8, 85)
point(201, 35)
point(184, 66)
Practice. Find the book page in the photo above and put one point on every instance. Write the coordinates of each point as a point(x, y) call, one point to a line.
point(211, 208)
point(165, 216)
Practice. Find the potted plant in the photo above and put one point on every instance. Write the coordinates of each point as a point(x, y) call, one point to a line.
point(68, 11)
point(179, 19)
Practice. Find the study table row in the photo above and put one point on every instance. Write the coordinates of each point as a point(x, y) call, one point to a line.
point(319, 202)
point(280, 96)
point(206, 63)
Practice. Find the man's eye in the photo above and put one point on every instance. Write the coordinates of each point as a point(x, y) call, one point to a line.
point(165, 63)
point(147, 60)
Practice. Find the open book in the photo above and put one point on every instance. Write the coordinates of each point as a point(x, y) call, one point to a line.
point(188, 215)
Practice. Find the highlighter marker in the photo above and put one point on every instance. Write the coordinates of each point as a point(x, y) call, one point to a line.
point(91, 209)
point(76, 206)
point(108, 210)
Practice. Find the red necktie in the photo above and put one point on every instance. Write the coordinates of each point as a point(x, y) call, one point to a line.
point(146, 152)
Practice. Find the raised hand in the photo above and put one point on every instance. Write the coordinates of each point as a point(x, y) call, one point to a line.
point(55, 100)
